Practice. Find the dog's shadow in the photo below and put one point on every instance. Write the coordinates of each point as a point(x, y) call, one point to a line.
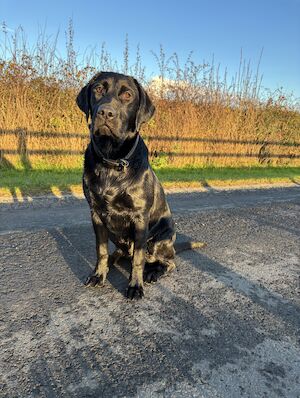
point(78, 248)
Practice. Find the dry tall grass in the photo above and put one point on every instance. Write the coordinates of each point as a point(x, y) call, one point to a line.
point(201, 118)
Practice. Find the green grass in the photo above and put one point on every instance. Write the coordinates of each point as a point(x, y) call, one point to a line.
point(33, 182)
point(227, 173)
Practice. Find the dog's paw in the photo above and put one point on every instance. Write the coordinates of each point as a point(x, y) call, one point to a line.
point(135, 292)
point(153, 272)
point(94, 280)
point(152, 276)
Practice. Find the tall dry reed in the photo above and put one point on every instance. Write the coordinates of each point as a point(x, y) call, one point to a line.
point(203, 117)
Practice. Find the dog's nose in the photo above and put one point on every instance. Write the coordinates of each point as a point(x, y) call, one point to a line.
point(106, 111)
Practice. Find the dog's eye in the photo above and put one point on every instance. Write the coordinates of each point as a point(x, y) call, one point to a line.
point(99, 90)
point(126, 95)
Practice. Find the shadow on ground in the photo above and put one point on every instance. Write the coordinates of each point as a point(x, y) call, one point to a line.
point(206, 330)
point(184, 338)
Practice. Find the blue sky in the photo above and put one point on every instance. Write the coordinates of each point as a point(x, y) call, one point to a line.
point(207, 27)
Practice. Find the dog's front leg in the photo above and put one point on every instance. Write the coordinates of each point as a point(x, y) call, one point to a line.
point(135, 288)
point(98, 277)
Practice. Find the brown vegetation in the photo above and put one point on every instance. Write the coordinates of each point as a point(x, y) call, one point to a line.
point(201, 118)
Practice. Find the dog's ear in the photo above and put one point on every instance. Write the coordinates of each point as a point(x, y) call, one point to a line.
point(83, 100)
point(146, 108)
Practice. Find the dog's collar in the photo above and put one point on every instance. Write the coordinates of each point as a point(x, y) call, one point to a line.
point(119, 164)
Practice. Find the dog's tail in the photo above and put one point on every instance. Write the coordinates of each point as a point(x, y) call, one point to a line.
point(182, 246)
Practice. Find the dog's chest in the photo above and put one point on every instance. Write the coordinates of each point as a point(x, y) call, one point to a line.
point(119, 203)
point(114, 206)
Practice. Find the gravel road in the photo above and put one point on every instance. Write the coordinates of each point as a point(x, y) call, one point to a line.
point(224, 324)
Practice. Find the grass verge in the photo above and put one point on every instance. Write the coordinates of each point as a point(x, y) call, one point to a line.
point(227, 176)
point(18, 184)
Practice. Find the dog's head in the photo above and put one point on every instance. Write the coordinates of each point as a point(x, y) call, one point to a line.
point(117, 105)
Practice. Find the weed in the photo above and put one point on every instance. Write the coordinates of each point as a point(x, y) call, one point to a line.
point(203, 118)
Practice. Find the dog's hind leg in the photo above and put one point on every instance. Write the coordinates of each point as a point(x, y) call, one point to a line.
point(159, 260)
point(117, 255)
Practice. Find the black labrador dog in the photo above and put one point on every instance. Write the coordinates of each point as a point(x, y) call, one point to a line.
point(127, 202)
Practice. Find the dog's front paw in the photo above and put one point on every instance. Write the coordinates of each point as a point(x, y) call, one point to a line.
point(135, 292)
point(94, 280)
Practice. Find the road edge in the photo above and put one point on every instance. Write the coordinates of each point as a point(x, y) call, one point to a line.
point(61, 196)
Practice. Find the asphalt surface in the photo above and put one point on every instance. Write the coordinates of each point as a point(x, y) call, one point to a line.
point(224, 324)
